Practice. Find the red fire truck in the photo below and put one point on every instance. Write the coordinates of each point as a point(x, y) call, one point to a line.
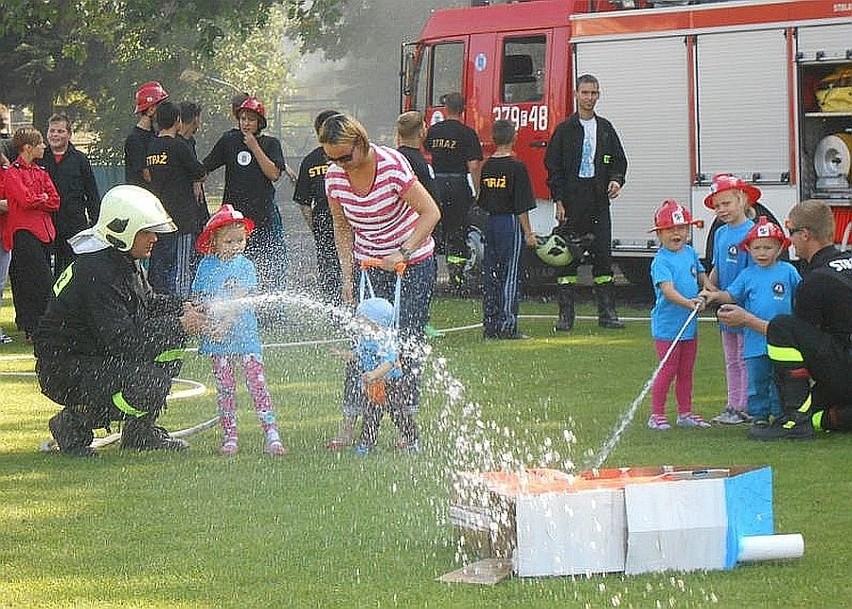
point(761, 89)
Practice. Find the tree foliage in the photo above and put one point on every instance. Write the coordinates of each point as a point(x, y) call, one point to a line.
point(88, 56)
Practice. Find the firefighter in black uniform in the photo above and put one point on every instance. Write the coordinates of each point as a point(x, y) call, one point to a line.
point(456, 154)
point(811, 350)
point(310, 195)
point(586, 167)
point(108, 347)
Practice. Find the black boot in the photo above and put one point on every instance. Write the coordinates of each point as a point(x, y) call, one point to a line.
point(607, 317)
point(794, 389)
point(141, 434)
point(455, 270)
point(72, 434)
point(565, 323)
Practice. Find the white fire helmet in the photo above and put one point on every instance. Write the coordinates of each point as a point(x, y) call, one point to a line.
point(125, 210)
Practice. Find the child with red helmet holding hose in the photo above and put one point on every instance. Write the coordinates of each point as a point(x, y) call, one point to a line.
point(224, 276)
point(765, 289)
point(677, 275)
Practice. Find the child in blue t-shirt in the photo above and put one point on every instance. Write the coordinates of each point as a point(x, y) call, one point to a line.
point(731, 198)
point(224, 276)
point(766, 289)
point(676, 274)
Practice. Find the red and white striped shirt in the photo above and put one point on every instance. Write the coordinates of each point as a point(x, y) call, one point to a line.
point(381, 220)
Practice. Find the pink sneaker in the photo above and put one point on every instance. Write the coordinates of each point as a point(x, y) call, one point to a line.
point(276, 448)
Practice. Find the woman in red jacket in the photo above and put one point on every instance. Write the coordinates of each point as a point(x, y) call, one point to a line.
point(29, 231)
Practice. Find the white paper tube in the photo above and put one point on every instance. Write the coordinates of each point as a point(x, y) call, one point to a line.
point(771, 547)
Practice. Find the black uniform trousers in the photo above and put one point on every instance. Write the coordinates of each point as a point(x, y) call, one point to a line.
point(31, 278)
point(828, 362)
point(587, 212)
point(90, 384)
point(328, 264)
point(456, 201)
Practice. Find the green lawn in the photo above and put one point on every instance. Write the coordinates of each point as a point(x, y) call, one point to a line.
point(321, 529)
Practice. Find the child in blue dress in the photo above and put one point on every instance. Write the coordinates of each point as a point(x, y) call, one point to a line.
point(224, 277)
point(766, 289)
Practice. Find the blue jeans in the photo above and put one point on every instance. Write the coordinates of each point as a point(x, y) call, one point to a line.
point(763, 398)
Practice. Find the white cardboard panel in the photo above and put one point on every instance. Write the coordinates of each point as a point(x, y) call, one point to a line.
point(570, 533)
point(676, 525)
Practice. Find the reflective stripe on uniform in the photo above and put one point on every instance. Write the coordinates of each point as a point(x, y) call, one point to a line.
point(566, 280)
point(787, 355)
point(455, 259)
point(125, 407)
point(169, 356)
point(602, 279)
point(63, 279)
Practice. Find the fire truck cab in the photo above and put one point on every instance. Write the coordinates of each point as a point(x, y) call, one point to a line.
point(694, 88)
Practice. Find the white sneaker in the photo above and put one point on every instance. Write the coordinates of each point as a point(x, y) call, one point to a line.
point(691, 420)
point(730, 416)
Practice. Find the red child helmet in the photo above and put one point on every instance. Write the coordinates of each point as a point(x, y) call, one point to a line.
point(725, 181)
point(252, 103)
point(671, 214)
point(224, 215)
point(765, 228)
point(149, 95)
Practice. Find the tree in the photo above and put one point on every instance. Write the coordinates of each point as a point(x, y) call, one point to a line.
point(88, 56)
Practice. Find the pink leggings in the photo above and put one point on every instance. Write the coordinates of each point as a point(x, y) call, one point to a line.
point(226, 386)
point(680, 366)
point(736, 372)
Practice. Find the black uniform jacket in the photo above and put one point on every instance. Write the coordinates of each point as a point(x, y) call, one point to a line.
point(104, 306)
point(564, 152)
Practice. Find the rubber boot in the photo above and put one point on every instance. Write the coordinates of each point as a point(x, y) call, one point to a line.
point(607, 317)
point(565, 296)
point(73, 436)
point(455, 270)
point(141, 434)
point(794, 389)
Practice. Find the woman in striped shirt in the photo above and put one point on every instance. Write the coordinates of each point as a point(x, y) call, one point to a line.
point(380, 210)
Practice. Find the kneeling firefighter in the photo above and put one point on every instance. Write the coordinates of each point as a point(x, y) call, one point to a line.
point(108, 347)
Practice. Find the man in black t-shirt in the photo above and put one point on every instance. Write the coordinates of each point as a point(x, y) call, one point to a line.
point(173, 169)
point(148, 96)
point(456, 157)
point(253, 163)
point(505, 192)
point(310, 196)
point(811, 350)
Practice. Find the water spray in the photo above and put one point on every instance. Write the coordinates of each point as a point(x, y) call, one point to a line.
point(615, 436)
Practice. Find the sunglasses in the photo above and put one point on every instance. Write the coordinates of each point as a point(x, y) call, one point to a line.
point(344, 158)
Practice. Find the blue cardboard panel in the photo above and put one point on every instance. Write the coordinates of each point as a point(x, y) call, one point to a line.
point(748, 500)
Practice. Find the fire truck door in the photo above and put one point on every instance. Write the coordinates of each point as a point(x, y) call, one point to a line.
point(520, 95)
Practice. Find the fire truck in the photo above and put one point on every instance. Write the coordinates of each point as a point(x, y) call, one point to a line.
point(760, 89)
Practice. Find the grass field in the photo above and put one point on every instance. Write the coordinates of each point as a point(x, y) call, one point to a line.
point(322, 529)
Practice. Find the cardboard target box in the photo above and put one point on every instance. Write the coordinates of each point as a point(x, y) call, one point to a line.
point(631, 520)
